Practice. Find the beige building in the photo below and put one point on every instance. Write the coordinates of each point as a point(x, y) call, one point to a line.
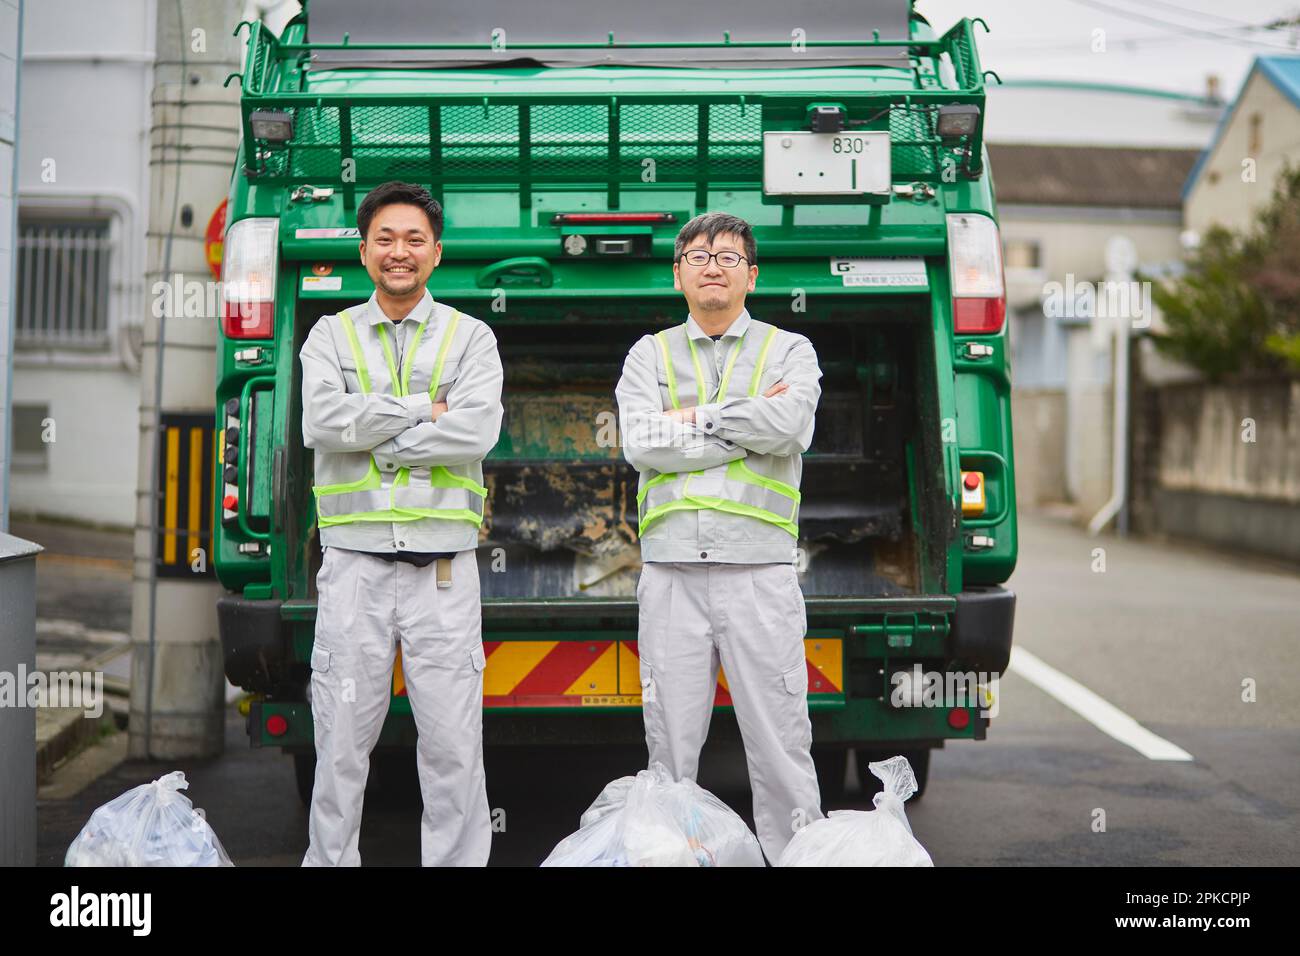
point(1060, 207)
point(1258, 136)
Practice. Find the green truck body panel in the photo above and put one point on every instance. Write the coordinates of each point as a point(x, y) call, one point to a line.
point(906, 407)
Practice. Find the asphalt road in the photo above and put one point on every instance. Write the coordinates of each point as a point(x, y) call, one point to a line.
point(1166, 634)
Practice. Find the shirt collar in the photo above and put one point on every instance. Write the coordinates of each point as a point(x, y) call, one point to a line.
point(422, 310)
point(735, 330)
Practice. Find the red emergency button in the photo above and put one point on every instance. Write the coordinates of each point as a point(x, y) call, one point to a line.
point(971, 480)
point(229, 502)
point(276, 725)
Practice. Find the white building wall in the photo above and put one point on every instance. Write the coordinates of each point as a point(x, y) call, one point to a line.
point(87, 73)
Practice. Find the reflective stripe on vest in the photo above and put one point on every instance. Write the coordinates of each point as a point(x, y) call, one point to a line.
point(734, 487)
point(442, 495)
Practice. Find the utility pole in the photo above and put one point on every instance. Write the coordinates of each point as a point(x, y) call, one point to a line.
point(178, 674)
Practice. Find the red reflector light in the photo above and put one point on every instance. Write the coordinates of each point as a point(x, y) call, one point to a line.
point(979, 289)
point(249, 264)
point(276, 725)
point(247, 320)
point(563, 218)
point(971, 316)
point(959, 718)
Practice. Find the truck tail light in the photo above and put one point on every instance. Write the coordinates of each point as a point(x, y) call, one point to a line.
point(248, 271)
point(979, 298)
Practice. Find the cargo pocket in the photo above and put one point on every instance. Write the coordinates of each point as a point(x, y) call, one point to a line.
point(477, 659)
point(652, 713)
point(796, 727)
point(322, 693)
point(647, 683)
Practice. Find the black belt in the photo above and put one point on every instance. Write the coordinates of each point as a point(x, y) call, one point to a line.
point(421, 559)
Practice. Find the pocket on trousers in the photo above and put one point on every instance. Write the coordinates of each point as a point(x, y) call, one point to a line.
point(648, 691)
point(796, 727)
point(322, 693)
point(796, 592)
point(477, 659)
point(322, 573)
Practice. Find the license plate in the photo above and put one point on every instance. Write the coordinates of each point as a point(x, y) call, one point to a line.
point(889, 271)
point(825, 164)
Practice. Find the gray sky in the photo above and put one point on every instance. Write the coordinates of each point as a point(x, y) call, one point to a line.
point(1169, 44)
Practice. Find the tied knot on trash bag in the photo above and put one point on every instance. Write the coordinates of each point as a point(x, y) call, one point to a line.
point(172, 782)
point(653, 820)
point(879, 837)
point(153, 824)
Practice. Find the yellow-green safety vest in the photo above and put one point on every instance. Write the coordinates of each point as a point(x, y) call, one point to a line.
point(734, 487)
point(447, 496)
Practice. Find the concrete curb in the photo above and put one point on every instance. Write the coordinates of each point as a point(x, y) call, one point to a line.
point(62, 732)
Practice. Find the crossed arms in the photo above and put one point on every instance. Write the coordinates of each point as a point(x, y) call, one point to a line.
point(778, 422)
point(410, 431)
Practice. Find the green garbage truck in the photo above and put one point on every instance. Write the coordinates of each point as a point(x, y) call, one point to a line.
point(567, 147)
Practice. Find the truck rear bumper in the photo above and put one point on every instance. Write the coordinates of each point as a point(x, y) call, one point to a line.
point(254, 642)
point(855, 642)
point(982, 627)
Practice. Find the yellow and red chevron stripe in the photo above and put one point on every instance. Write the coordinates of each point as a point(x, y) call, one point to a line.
point(603, 673)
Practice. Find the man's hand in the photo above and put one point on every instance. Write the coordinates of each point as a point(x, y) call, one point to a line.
point(776, 389)
point(438, 409)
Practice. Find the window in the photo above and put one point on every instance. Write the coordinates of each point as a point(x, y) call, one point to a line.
point(31, 451)
point(63, 282)
point(1022, 254)
point(1256, 144)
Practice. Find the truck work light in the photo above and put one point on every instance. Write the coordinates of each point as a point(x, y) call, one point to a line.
point(957, 120)
point(275, 126)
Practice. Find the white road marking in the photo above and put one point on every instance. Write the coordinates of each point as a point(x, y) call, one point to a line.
point(1103, 715)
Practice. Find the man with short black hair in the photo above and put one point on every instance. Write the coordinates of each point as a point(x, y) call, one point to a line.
point(401, 400)
point(715, 415)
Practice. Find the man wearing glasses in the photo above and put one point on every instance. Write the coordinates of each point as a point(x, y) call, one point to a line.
point(715, 415)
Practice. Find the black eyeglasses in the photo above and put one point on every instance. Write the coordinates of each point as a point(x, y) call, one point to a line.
point(726, 259)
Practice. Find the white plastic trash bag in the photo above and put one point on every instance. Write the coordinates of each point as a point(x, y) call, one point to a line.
point(150, 825)
point(879, 837)
point(653, 820)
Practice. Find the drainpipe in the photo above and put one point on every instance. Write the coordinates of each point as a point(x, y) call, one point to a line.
point(1121, 257)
